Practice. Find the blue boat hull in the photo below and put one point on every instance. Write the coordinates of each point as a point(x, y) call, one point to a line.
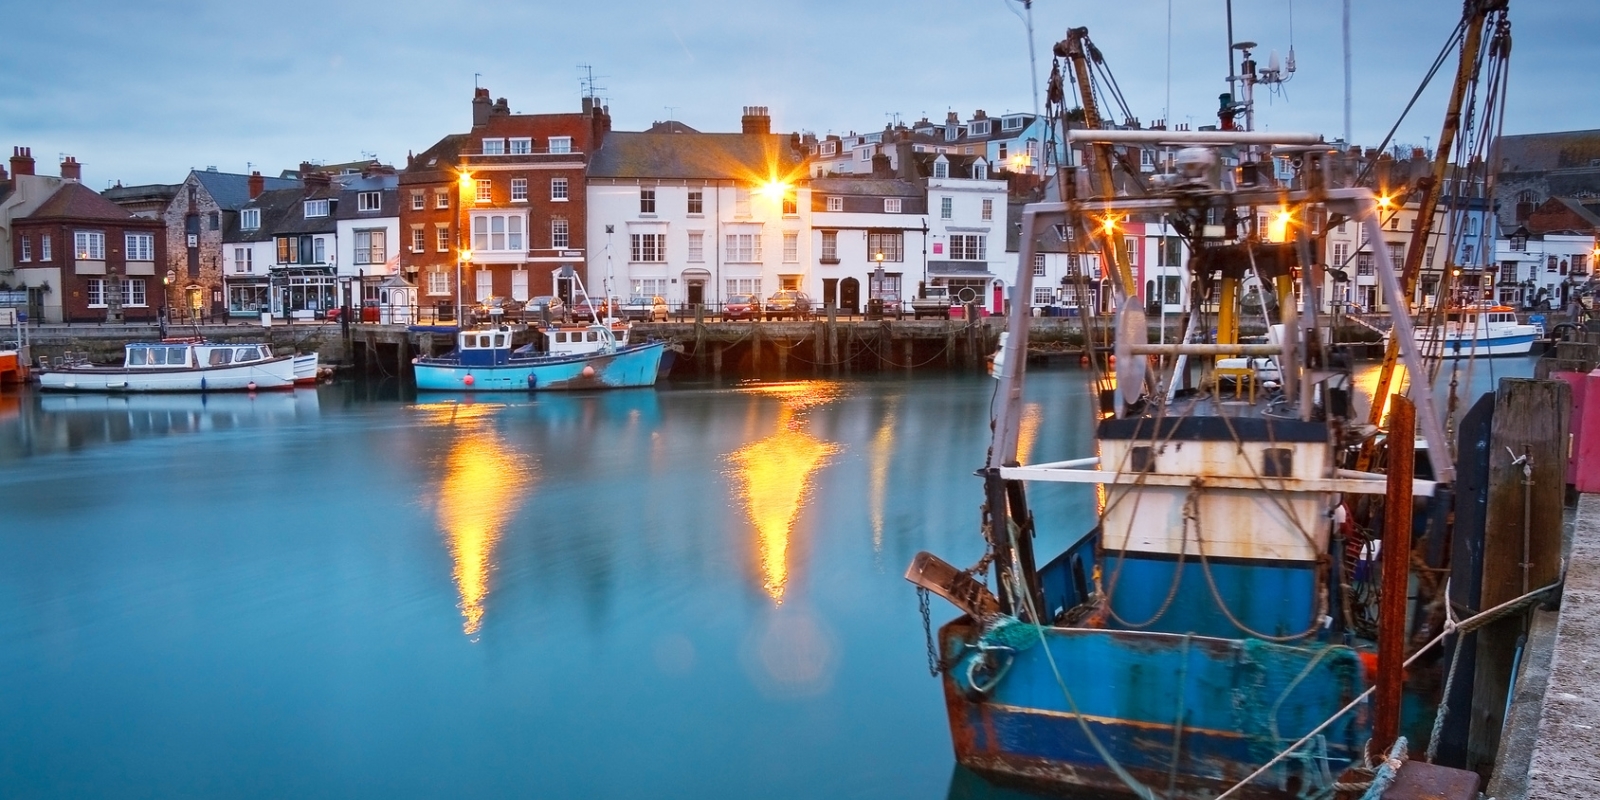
point(633, 366)
point(1216, 708)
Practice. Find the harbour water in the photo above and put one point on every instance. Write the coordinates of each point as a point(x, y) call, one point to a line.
point(342, 592)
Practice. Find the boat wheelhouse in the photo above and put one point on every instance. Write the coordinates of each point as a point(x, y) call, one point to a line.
point(1470, 331)
point(568, 357)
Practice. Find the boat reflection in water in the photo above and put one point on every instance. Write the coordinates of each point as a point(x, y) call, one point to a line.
point(53, 423)
point(774, 475)
point(484, 481)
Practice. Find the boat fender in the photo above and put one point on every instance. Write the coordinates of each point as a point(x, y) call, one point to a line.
point(533, 381)
point(251, 386)
point(467, 380)
point(588, 372)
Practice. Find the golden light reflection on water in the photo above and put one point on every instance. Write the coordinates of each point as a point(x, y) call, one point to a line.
point(484, 484)
point(773, 476)
point(882, 450)
point(1366, 382)
point(1027, 432)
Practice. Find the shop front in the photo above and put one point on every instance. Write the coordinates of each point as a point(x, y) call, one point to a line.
point(303, 293)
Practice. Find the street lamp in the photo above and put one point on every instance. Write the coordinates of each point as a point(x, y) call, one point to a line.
point(465, 258)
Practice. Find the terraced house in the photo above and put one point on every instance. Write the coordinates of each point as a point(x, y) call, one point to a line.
point(499, 211)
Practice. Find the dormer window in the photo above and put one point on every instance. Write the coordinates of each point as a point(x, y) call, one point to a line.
point(561, 144)
point(1011, 124)
point(891, 205)
point(980, 170)
point(521, 146)
point(250, 219)
point(369, 201)
point(494, 147)
point(941, 169)
point(835, 203)
point(829, 148)
point(316, 208)
point(977, 128)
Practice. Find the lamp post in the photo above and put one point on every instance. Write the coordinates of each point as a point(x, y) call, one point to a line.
point(464, 259)
point(166, 298)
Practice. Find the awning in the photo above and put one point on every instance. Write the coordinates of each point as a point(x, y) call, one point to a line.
point(959, 269)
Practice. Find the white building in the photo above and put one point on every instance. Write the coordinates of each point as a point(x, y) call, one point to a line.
point(695, 217)
point(854, 220)
point(967, 236)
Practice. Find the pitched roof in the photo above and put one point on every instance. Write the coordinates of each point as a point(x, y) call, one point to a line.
point(231, 191)
point(76, 201)
point(1539, 152)
point(868, 187)
point(695, 155)
point(144, 191)
point(434, 163)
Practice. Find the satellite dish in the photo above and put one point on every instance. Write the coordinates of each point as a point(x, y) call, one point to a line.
point(1245, 46)
point(1131, 329)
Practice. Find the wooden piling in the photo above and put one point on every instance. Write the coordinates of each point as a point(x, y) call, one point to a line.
point(755, 349)
point(783, 358)
point(833, 338)
point(716, 361)
point(1522, 537)
point(906, 359)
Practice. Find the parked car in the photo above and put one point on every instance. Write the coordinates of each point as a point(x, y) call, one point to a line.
point(892, 306)
point(509, 309)
point(586, 309)
point(791, 304)
point(535, 308)
point(741, 306)
point(645, 308)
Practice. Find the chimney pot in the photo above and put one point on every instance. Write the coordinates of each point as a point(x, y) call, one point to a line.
point(480, 107)
point(755, 120)
point(71, 170)
point(21, 161)
point(258, 184)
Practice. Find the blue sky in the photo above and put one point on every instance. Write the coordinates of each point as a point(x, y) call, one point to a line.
point(141, 92)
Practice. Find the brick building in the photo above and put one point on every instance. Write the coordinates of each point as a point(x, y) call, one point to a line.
point(99, 258)
point(502, 205)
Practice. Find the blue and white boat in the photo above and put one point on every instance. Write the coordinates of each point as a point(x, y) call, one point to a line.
point(571, 357)
point(1475, 331)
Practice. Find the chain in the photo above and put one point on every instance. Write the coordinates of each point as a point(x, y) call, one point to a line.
point(927, 631)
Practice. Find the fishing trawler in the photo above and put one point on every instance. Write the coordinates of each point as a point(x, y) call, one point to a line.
point(1198, 638)
point(1482, 330)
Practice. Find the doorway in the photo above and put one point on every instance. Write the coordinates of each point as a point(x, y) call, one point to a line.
point(830, 292)
point(696, 292)
point(850, 296)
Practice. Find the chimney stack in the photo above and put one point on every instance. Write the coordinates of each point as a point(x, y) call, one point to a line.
point(480, 107)
point(21, 161)
point(756, 120)
point(3, 175)
point(71, 170)
point(258, 184)
point(313, 178)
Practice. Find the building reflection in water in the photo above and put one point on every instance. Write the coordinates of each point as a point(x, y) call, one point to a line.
point(773, 476)
point(484, 484)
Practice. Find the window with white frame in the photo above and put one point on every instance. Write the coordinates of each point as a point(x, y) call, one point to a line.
point(980, 170)
point(891, 205)
point(743, 248)
point(497, 233)
point(790, 205)
point(521, 145)
point(947, 207)
point(558, 190)
point(1043, 295)
point(1011, 123)
point(250, 219)
point(978, 128)
point(697, 246)
point(967, 247)
point(1550, 263)
point(89, 245)
point(647, 200)
point(316, 208)
point(133, 293)
point(741, 202)
point(320, 248)
point(835, 204)
point(519, 190)
point(1341, 254)
point(441, 198)
point(648, 287)
point(830, 247)
point(483, 194)
point(864, 154)
point(485, 285)
point(438, 282)
point(441, 238)
point(1364, 264)
point(419, 240)
point(1397, 254)
point(1132, 243)
point(494, 147)
point(44, 247)
point(1038, 265)
point(369, 201)
point(890, 243)
point(749, 286)
point(941, 169)
point(829, 148)
point(697, 201)
point(561, 144)
point(1000, 150)
point(648, 248)
point(558, 233)
point(988, 208)
point(94, 290)
point(419, 201)
point(27, 248)
point(791, 247)
point(241, 259)
point(1427, 256)
point(1467, 253)
point(372, 246)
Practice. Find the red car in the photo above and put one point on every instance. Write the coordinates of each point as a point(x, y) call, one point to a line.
point(741, 306)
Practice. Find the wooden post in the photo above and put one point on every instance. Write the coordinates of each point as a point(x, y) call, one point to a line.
point(833, 337)
point(755, 350)
point(716, 361)
point(783, 358)
point(1396, 575)
point(849, 346)
point(885, 342)
point(906, 360)
point(818, 341)
point(1523, 527)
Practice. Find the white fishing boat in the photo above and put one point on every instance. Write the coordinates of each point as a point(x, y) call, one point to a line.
point(308, 370)
point(1478, 331)
point(179, 366)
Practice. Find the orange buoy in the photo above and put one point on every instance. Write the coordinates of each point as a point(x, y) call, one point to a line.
point(467, 380)
point(588, 372)
point(1083, 361)
point(251, 386)
point(1112, 360)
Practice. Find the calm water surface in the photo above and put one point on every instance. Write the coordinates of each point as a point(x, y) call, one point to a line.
point(687, 592)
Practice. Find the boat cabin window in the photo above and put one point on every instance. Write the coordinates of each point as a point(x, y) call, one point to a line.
point(483, 341)
point(247, 354)
point(178, 356)
point(561, 337)
point(1452, 317)
point(158, 356)
point(1142, 459)
point(138, 356)
point(1277, 462)
point(499, 340)
point(221, 356)
point(594, 336)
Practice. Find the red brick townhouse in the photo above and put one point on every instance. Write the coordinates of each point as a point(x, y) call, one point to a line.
point(501, 206)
